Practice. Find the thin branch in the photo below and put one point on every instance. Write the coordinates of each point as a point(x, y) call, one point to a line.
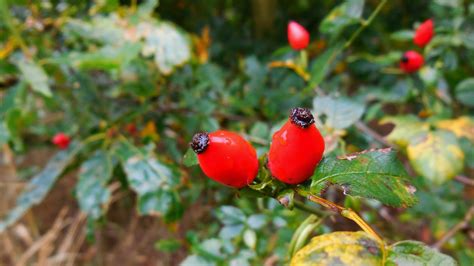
point(365, 23)
point(301, 206)
point(459, 226)
point(465, 180)
point(348, 213)
point(364, 128)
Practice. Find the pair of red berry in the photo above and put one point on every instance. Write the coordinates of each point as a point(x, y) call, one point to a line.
point(295, 152)
point(411, 60)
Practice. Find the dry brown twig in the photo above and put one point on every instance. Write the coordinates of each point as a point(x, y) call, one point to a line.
point(459, 226)
point(465, 180)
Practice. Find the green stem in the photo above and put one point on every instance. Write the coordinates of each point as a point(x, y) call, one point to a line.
point(304, 207)
point(365, 23)
point(13, 30)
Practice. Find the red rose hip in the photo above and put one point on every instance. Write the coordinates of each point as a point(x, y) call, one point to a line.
point(226, 157)
point(411, 61)
point(424, 33)
point(298, 36)
point(61, 140)
point(296, 148)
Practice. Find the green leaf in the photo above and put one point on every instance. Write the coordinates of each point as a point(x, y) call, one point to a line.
point(256, 221)
point(402, 35)
point(231, 231)
point(168, 245)
point(406, 128)
point(340, 248)
point(103, 29)
point(342, 16)
point(465, 92)
point(375, 173)
point(4, 133)
point(340, 112)
point(91, 189)
point(190, 158)
point(416, 253)
point(152, 180)
point(322, 64)
point(35, 77)
point(106, 58)
point(39, 186)
point(260, 130)
point(436, 155)
point(167, 44)
point(194, 260)
point(467, 32)
point(230, 215)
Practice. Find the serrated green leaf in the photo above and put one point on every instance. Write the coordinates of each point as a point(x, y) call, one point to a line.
point(376, 174)
point(436, 155)
point(39, 186)
point(465, 92)
point(91, 189)
point(416, 253)
point(406, 129)
point(340, 112)
point(340, 248)
point(35, 76)
point(152, 180)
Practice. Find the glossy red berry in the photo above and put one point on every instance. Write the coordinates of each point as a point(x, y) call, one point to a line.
point(296, 148)
point(298, 36)
point(226, 157)
point(424, 33)
point(411, 61)
point(61, 140)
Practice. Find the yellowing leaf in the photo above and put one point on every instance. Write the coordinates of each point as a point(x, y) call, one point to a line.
point(7, 48)
point(406, 129)
point(437, 156)
point(202, 44)
point(300, 71)
point(150, 131)
point(340, 248)
point(461, 127)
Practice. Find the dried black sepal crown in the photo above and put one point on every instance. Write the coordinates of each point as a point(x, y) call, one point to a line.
point(301, 117)
point(200, 142)
point(404, 59)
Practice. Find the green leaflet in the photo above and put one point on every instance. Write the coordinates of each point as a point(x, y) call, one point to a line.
point(376, 174)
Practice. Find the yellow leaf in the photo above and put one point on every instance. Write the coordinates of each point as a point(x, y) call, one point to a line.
point(291, 65)
point(340, 248)
point(406, 129)
point(8, 48)
point(202, 44)
point(461, 127)
point(436, 156)
point(150, 131)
